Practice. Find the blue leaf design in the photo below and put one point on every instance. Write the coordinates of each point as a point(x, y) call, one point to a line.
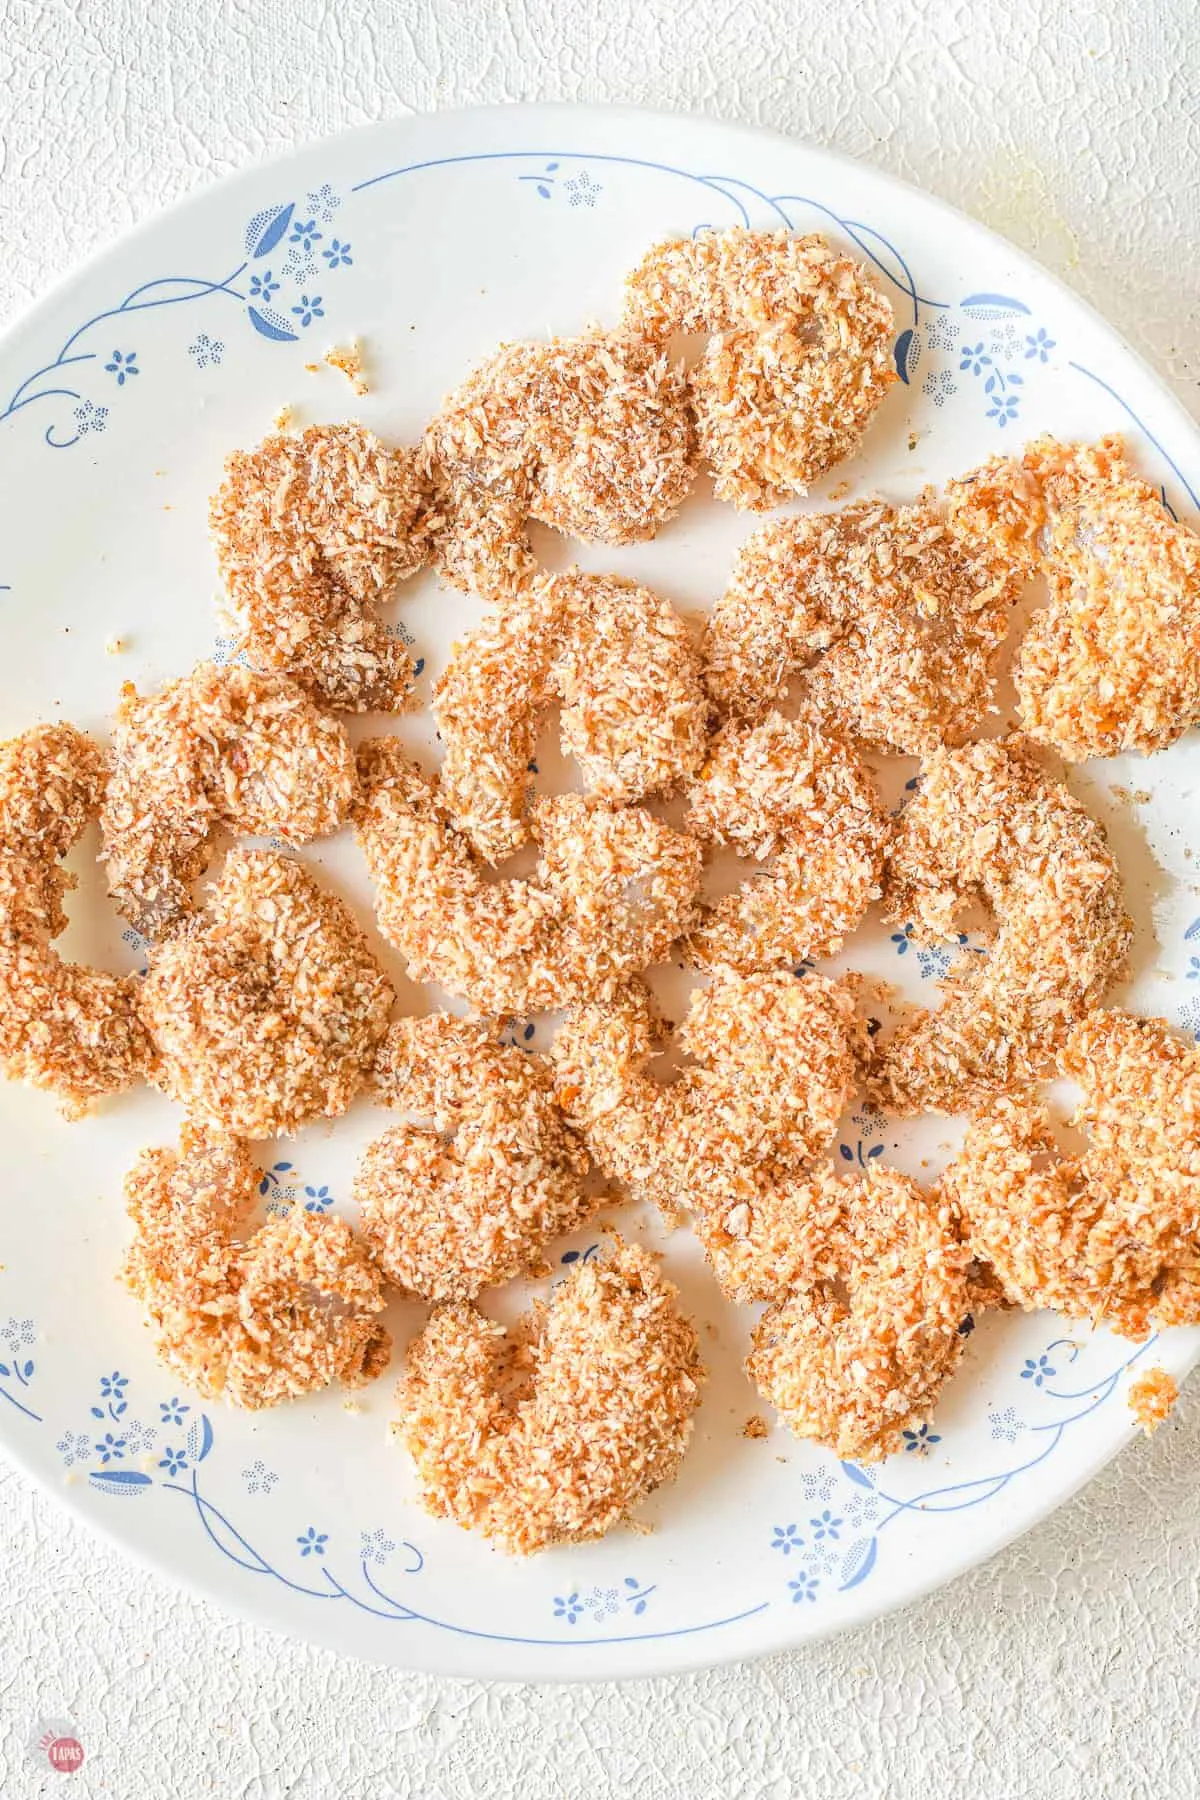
point(543, 191)
point(1193, 931)
point(847, 1152)
point(550, 168)
point(630, 1582)
point(853, 1473)
point(97, 1412)
point(989, 384)
point(266, 228)
point(992, 306)
point(27, 1371)
point(283, 1166)
point(876, 1151)
point(1016, 380)
point(907, 353)
point(4, 1369)
point(271, 325)
point(640, 1607)
point(199, 1439)
point(858, 1562)
point(120, 1481)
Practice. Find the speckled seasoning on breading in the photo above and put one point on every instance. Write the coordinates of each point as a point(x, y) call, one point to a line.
point(798, 359)
point(790, 794)
point(219, 747)
point(1151, 1397)
point(621, 664)
point(590, 435)
point(471, 1195)
point(267, 1009)
point(63, 1026)
point(252, 1314)
point(554, 1433)
point(312, 533)
point(989, 823)
point(614, 889)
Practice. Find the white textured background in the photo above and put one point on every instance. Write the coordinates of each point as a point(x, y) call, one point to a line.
point(1071, 1664)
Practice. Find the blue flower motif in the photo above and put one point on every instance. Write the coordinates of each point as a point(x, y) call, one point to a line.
point(317, 1200)
point(602, 1601)
point(1038, 1372)
point(1006, 1424)
point(804, 1588)
point(263, 286)
point(204, 350)
point(942, 333)
point(111, 1385)
point(375, 1547)
point(901, 939)
point(920, 1439)
point(817, 1487)
point(122, 366)
point(938, 386)
point(313, 1542)
point(826, 1526)
point(974, 359)
point(568, 1607)
point(258, 1478)
point(172, 1411)
point(337, 254)
point(73, 1447)
point(17, 1332)
point(173, 1460)
point(582, 190)
point(308, 310)
point(90, 417)
point(1004, 408)
point(305, 233)
point(110, 1448)
point(787, 1538)
point(138, 1436)
point(324, 203)
point(1039, 345)
point(1193, 968)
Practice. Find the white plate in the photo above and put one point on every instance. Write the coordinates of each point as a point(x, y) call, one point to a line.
point(431, 239)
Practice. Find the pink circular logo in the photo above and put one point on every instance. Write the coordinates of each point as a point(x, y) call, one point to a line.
point(65, 1754)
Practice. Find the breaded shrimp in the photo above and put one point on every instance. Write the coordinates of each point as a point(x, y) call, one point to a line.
point(1112, 1235)
point(988, 823)
point(64, 1027)
point(788, 793)
point(312, 532)
point(590, 435)
point(798, 359)
point(253, 1315)
point(555, 1435)
point(1113, 663)
point(621, 663)
point(221, 746)
point(774, 1063)
point(895, 615)
point(615, 888)
point(854, 1360)
point(267, 1009)
point(473, 1197)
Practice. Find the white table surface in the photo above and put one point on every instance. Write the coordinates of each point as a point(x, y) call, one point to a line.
point(1070, 1664)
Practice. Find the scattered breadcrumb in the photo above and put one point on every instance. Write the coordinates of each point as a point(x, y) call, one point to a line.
point(114, 646)
point(755, 1427)
point(349, 360)
point(284, 418)
point(554, 1433)
point(1151, 1397)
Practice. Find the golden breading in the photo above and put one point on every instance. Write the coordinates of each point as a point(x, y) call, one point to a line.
point(266, 1010)
point(554, 1434)
point(855, 1360)
point(590, 435)
point(988, 823)
point(614, 889)
point(312, 532)
point(773, 1063)
point(1112, 1235)
point(1113, 663)
point(1151, 1397)
point(249, 1314)
point(221, 746)
point(64, 1027)
point(798, 359)
point(896, 615)
point(788, 793)
point(621, 664)
point(471, 1197)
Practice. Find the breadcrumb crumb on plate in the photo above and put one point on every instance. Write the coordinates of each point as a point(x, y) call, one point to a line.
point(1151, 1397)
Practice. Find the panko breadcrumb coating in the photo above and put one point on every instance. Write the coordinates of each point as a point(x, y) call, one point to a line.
point(472, 1197)
point(590, 435)
point(614, 889)
point(988, 823)
point(792, 795)
point(554, 1434)
point(798, 359)
point(222, 746)
point(1113, 1235)
point(854, 1360)
point(1151, 1397)
point(623, 667)
point(266, 1010)
point(64, 1027)
point(1113, 663)
point(774, 1061)
point(312, 532)
point(897, 615)
point(250, 1314)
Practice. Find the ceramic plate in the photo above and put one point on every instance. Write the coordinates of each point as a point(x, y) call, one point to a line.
point(430, 240)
